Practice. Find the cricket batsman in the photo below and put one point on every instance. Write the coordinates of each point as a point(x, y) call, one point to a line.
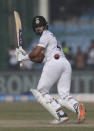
point(56, 69)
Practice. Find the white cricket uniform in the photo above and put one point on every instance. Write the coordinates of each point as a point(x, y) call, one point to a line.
point(55, 70)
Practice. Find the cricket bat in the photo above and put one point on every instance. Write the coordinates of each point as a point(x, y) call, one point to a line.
point(18, 30)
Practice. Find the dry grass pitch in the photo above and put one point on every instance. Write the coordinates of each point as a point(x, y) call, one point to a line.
point(30, 116)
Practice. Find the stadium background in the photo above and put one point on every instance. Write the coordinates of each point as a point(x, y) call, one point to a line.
point(72, 22)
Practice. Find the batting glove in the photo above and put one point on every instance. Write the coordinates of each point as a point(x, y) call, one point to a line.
point(22, 50)
point(19, 55)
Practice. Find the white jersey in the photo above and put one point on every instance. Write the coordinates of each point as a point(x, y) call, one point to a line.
point(49, 42)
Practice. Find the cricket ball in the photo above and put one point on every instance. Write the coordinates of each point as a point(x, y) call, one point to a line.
point(56, 56)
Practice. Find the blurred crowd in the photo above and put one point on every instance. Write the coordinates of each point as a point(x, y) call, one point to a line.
point(79, 60)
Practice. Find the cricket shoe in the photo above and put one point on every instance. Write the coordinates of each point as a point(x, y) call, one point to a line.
point(81, 113)
point(62, 119)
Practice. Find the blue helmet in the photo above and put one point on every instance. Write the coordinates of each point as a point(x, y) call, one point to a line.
point(39, 21)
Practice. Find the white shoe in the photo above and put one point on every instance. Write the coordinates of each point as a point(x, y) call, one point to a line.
point(63, 119)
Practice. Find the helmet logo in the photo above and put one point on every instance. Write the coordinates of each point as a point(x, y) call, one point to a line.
point(37, 21)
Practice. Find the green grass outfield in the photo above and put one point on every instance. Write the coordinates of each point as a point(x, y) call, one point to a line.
point(30, 116)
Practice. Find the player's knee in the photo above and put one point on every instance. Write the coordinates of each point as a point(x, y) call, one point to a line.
point(43, 91)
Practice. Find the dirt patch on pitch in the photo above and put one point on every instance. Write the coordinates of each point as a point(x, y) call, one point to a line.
point(41, 123)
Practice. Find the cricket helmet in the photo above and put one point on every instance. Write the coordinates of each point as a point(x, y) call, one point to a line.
point(39, 21)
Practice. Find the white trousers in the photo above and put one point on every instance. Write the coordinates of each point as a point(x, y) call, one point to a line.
point(57, 71)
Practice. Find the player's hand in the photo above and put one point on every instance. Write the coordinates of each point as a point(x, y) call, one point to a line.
point(19, 55)
point(22, 50)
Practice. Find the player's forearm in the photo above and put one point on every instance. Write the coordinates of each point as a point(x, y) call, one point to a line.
point(38, 59)
point(35, 55)
point(36, 52)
